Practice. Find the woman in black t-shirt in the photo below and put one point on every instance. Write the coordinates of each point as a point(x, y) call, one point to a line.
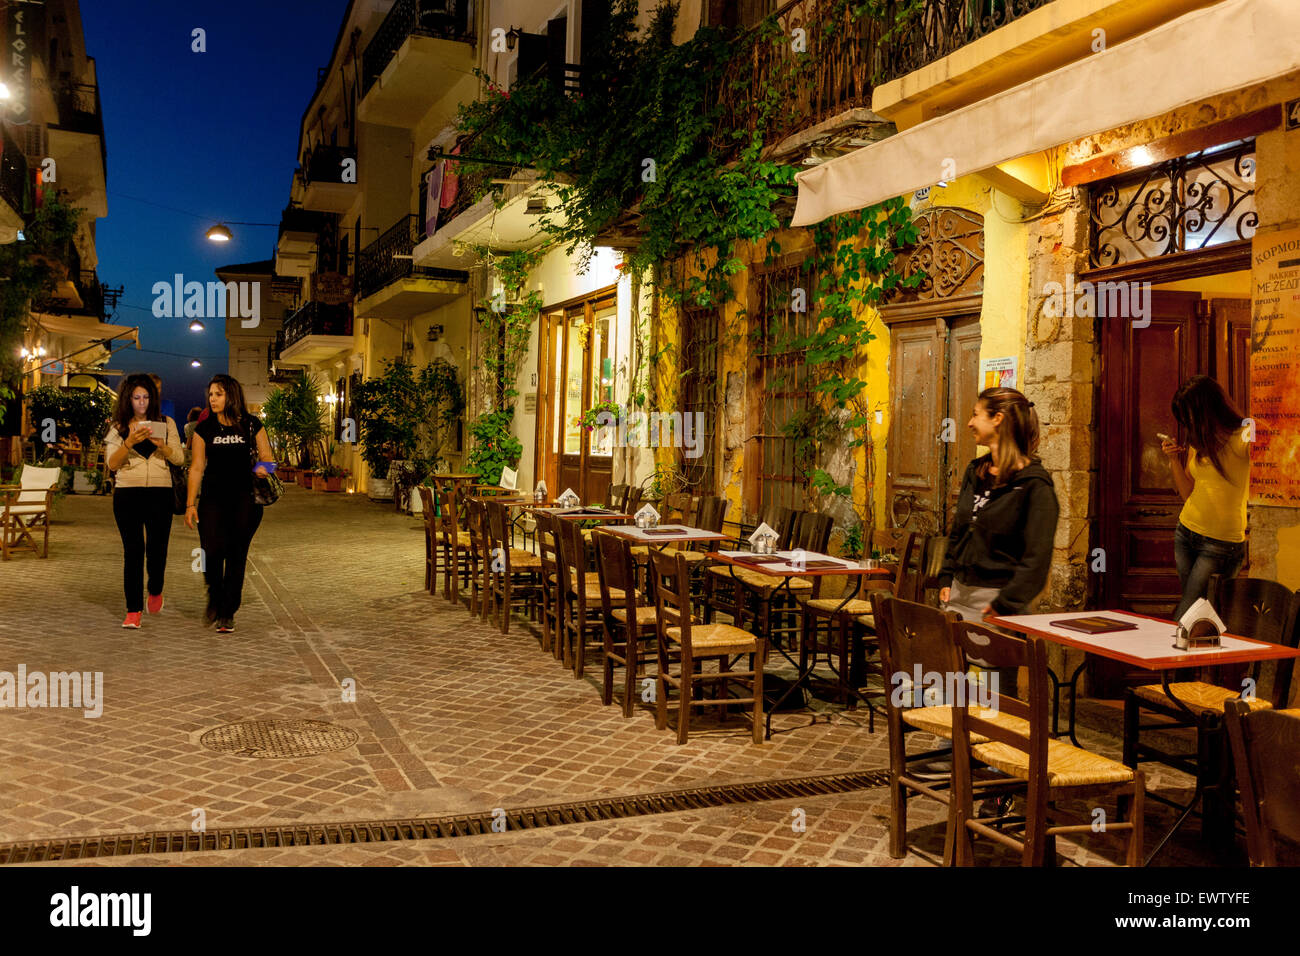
point(221, 495)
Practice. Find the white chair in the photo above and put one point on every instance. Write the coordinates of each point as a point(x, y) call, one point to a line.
point(27, 508)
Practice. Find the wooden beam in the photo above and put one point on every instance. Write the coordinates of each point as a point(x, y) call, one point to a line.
point(1170, 147)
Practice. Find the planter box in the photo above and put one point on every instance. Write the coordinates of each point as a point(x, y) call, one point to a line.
point(305, 478)
point(379, 489)
point(287, 473)
point(334, 484)
point(82, 484)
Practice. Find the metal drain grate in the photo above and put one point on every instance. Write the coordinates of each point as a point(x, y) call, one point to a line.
point(388, 831)
point(279, 738)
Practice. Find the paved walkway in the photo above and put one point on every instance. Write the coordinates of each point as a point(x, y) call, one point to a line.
point(450, 716)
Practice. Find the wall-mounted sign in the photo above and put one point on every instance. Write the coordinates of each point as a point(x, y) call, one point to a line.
point(1292, 114)
point(998, 372)
point(24, 36)
point(331, 288)
point(1274, 364)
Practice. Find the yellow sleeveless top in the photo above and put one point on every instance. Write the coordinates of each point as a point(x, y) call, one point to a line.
point(1216, 507)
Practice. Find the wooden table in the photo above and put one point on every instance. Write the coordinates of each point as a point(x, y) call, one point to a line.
point(667, 534)
point(599, 515)
point(778, 565)
point(1150, 646)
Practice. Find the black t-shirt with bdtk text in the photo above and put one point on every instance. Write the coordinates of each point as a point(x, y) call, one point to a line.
point(228, 472)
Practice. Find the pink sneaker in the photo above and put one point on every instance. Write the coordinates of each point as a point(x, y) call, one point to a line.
point(132, 620)
point(154, 603)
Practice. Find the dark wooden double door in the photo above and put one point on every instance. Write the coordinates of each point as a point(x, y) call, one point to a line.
point(1138, 506)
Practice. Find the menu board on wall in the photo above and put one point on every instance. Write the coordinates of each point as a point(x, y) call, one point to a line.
point(1275, 368)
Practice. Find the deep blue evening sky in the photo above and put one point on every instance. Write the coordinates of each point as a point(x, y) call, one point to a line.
point(213, 134)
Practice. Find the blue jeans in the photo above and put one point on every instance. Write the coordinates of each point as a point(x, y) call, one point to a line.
point(1199, 557)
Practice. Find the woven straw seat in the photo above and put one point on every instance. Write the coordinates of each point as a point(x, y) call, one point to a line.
point(716, 638)
point(521, 560)
point(855, 607)
point(938, 721)
point(593, 596)
point(1067, 765)
point(645, 614)
point(1199, 696)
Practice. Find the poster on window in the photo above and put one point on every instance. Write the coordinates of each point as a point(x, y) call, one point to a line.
point(1274, 366)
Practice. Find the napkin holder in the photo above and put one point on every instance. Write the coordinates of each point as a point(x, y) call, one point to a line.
point(568, 499)
point(647, 517)
point(1203, 634)
point(763, 540)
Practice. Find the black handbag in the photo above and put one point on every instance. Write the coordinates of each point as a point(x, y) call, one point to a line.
point(266, 489)
point(180, 488)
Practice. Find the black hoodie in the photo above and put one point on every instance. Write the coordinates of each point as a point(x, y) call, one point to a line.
point(1007, 543)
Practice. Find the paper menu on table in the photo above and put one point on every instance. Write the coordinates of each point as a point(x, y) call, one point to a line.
point(509, 479)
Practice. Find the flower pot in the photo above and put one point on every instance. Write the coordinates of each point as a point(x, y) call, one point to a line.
point(415, 502)
point(334, 484)
point(287, 473)
point(379, 489)
point(304, 478)
point(317, 483)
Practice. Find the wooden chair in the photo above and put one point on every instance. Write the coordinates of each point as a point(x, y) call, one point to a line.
point(1266, 754)
point(1252, 607)
point(453, 542)
point(27, 507)
point(629, 627)
point(583, 627)
point(848, 623)
point(632, 503)
point(512, 575)
point(810, 532)
point(686, 643)
point(479, 562)
point(432, 551)
point(1014, 738)
point(616, 498)
point(720, 590)
point(679, 507)
point(552, 606)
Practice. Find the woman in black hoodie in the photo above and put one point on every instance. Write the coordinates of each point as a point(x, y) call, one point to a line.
point(1000, 548)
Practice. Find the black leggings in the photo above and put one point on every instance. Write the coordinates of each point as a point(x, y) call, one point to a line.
point(144, 520)
point(226, 529)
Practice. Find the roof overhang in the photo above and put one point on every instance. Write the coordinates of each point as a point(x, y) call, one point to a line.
point(1252, 42)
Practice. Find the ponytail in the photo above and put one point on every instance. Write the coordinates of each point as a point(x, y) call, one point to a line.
point(1018, 434)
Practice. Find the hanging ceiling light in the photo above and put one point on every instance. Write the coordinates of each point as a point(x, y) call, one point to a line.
point(197, 326)
point(219, 233)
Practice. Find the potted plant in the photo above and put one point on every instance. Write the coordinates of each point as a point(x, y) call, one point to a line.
point(305, 476)
point(330, 478)
point(86, 481)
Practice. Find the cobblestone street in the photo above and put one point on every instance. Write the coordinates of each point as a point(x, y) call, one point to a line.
point(450, 717)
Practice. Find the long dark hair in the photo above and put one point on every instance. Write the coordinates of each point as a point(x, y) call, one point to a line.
point(235, 409)
point(126, 411)
point(1018, 433)
point(1207, 417)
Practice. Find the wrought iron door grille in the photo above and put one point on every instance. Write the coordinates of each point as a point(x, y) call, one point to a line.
point(699, 393)
point(1184, 204)
point(782, 388)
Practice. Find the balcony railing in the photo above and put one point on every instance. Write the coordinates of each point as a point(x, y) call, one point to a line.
point(442, 19)
point(80, 111)
point(324, 164)
point(388, 258)
point(14, 172)
point(317, 318)
point(941, 27)
point(297, 219)
point(847, 55)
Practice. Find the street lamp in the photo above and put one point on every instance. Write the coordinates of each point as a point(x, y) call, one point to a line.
point(197, 326)
point(195, 363)
point(220, 232)
point(4, 92)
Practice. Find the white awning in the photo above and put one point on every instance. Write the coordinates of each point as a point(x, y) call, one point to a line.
point(1214, 50)
point(79, 332)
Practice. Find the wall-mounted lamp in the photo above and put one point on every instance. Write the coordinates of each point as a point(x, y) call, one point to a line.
point(512, 38)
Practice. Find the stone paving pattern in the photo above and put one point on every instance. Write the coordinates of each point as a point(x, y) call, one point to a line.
point(452, 717)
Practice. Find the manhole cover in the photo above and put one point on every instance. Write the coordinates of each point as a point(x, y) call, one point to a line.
point(278, 738)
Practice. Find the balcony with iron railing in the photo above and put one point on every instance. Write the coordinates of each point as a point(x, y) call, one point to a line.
point(329, 178)
point(80, 111)
point(389, 282)
point(434, 19)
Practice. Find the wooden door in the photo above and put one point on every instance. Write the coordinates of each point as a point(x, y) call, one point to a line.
point(964, 386)
point(576, 371)
point(934, 378)
point(1138, 506)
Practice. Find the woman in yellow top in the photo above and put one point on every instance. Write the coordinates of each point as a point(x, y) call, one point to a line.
point(1212, 474)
